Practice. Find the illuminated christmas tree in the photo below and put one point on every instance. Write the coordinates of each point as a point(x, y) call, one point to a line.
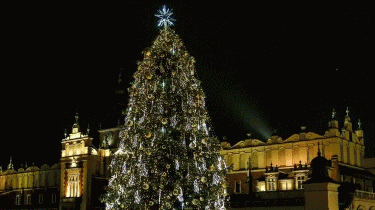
point(168, 158)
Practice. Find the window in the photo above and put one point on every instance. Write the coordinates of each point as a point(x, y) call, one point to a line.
point(53, 197)
point(18, 200)
point(237, 186)
point(73, 187)
point(300, 180)
point(271, 184)
point(40, 198)
point(28, 199)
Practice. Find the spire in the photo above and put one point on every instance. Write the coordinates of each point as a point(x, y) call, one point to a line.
point(347, 111)
point(347, 123)
point(359, 125)
point(88, 129)
point(333, 114)
point(75, 128)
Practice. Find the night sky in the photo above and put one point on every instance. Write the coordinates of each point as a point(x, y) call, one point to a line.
point(262, 66)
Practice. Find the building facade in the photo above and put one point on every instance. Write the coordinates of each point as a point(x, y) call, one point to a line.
point(264, 175)
point(274, 172)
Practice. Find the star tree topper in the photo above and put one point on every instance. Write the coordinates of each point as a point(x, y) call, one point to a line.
point(164, 16)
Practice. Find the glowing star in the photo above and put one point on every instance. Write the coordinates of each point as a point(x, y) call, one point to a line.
point(164, 16)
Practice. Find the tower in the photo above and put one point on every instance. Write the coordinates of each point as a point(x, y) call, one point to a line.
point(79, 163)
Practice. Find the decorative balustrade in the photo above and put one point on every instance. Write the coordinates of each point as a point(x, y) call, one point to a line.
point(364, 194)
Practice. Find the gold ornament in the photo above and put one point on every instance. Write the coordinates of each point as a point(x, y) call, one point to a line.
point(204, 141)
point(122, 205)
point(130, 123)
point(150, 96)
point(148, 153)
point(194, 125)
point(168, 166)
point(195, 201)
point(191, 145)
point(148, 53)
point(148, 134)
point(201, 198)
point(164, 121)
point(224, 185)
point(204, 179)
point(168, 205)
point(149, 76)
point(176, 191)
point(146, 186)
point(151, 203)
point(164, 174)
point(164, 147)
point(225, 193)
point(161, 186)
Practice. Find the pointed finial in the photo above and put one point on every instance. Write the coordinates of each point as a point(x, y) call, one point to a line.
point(10, 166)
point(359, 124)
point(76, 117)
point(88, 129)
point(333, 114)
point(347, 111)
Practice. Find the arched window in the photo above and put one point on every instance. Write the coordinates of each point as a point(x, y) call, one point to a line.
point(53, 198)
point(18, 200)
point(40, 198)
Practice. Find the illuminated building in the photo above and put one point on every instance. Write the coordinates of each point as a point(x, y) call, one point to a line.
point(265, 175)
point(274, 173)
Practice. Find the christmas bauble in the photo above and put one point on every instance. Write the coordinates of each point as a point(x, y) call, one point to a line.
point(161, 186)
point(168, 166)
point(164, 121)
point(192, 145)
point(130, 123)
point(151, 203)
point(195, 201)
point(150, 96)
point(201, 198)
point(148, 53)
point(224, 185)
point(164, 174)
point(204, 141)
point(122, 205)
point(146, 186)
point(176, 191)
point(149, 76)
point(204, 179)
point(148, 134)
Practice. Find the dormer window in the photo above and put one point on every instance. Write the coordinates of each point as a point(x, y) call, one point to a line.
point(271, 183)
point(300, 180)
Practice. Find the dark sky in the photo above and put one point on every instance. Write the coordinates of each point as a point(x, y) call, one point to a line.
point(262, 66)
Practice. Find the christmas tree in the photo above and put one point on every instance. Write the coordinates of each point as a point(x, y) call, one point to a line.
point(168, 157)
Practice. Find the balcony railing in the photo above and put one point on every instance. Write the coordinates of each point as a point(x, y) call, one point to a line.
point(70, 199)
point(364, 194)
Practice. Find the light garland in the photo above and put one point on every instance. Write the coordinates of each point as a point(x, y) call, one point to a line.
point(166, 141)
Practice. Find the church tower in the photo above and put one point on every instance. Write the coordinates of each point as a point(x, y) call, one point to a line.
point(79, 163)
